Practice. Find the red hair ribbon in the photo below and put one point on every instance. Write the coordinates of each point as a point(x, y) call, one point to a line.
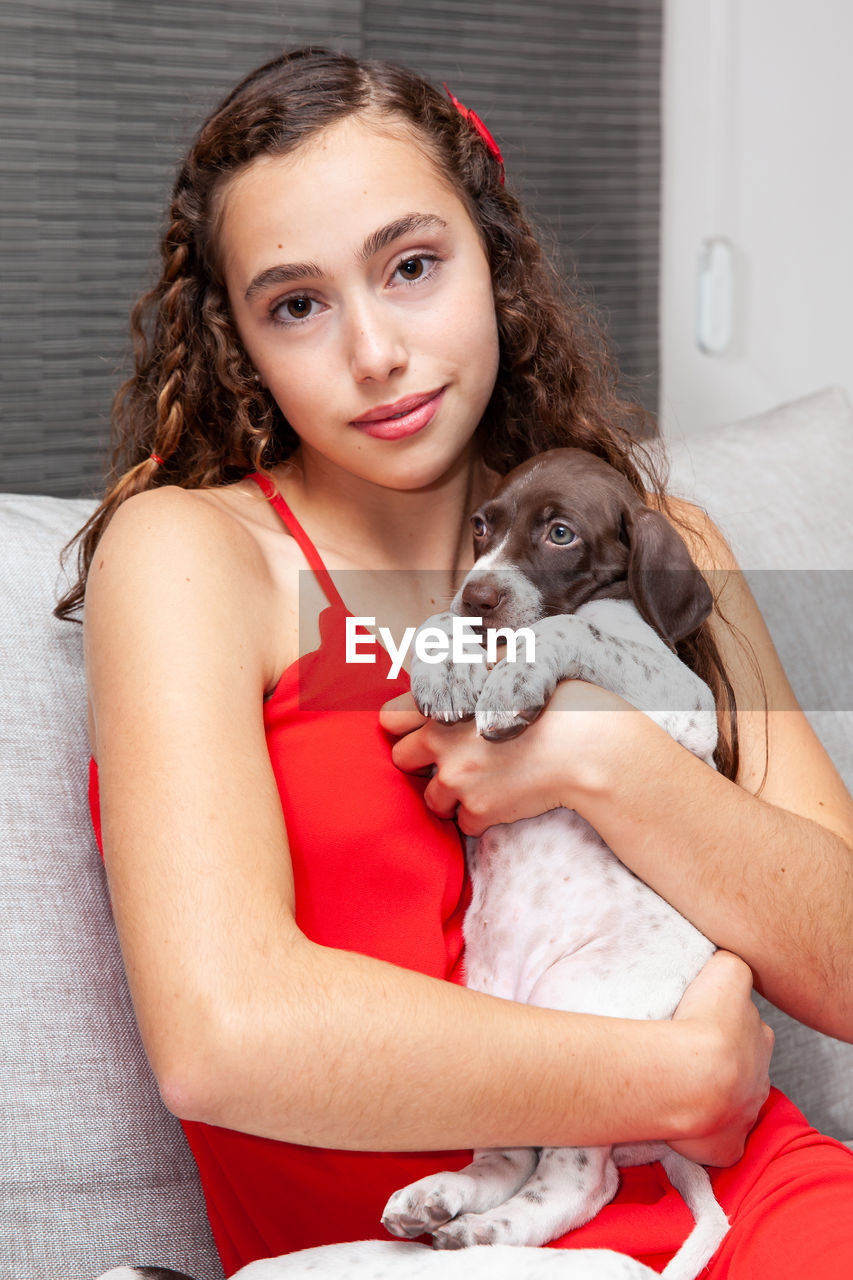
point(475, 121)
point(155, 457)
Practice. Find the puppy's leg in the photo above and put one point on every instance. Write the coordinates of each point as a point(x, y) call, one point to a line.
point(447, 689)
point(569, 647)
point(568, 1188)
point(492, 1177)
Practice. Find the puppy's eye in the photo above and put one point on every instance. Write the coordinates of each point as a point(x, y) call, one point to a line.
point(562, 535)
point(478, 525)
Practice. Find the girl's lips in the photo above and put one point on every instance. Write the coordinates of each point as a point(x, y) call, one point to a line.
point(395, 428)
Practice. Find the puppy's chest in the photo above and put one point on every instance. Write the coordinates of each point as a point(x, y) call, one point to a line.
point(543, 888)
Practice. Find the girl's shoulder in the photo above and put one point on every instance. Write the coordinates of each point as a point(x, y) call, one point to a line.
point(191, 563)
point(231, 528)
point(161, 532)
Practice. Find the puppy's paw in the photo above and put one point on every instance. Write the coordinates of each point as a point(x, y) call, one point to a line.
point(473, 1229)
point(445, 691)
point(423, 1206)
point(514, 694)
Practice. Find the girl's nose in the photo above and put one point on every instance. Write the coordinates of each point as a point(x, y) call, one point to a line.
point(377, 348)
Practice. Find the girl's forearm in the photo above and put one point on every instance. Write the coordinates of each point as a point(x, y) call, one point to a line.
point(349, 1052)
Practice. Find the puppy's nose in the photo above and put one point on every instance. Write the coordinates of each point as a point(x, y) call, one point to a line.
point(481, 598)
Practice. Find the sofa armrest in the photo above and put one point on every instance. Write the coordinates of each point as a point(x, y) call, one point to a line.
point(93, 1169)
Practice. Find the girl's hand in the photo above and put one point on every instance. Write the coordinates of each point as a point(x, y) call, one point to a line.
point(483, 783)
point(737, 1047)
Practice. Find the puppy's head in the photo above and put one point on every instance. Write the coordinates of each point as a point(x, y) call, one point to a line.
point(565, 527)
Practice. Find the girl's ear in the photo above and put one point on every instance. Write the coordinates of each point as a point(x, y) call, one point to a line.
point(663, 581)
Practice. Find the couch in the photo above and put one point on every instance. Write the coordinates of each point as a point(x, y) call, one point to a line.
point(93, 1169)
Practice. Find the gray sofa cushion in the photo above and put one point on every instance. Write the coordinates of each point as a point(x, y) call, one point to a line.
point(93, 1169)
point(778, 484)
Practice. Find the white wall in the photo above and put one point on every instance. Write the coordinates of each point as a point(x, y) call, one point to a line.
point(758, 148)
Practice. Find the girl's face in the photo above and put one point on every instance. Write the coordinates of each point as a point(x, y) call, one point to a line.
point(363, 297)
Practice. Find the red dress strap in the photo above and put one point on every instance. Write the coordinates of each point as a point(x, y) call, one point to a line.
point(307, 547)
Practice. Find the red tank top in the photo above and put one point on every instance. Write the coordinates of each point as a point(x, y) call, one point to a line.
point(376, 872)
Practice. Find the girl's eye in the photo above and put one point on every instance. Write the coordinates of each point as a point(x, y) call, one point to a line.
point(298, 308)
point(562, 535)
point(411, 268)
point(420, 266)
point(478, 524)
point(292, 310)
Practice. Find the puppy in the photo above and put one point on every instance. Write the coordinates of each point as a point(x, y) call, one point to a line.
point(567, 548)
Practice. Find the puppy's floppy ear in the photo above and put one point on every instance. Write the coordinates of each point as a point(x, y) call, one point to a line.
point(663, 581)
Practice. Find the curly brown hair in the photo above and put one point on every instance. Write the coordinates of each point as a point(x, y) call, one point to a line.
point(193, 400)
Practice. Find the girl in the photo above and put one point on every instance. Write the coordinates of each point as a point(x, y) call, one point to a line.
point(354, 333)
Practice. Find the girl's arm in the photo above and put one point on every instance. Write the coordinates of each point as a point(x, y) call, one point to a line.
point(767, 876)
point(249, 1024)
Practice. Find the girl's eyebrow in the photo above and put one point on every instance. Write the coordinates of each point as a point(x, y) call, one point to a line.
point(286, 272)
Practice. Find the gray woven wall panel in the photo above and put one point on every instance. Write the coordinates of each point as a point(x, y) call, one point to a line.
point(97, 103)
point(98, 99)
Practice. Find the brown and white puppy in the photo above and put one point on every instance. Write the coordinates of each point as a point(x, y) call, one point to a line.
point(567, 549)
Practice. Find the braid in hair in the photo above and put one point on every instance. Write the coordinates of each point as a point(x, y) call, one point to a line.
point(192, 413)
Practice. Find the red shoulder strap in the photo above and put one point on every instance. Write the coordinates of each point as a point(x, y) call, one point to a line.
point(295, 528)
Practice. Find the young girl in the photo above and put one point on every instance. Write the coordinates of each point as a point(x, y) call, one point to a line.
point(354, 333)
